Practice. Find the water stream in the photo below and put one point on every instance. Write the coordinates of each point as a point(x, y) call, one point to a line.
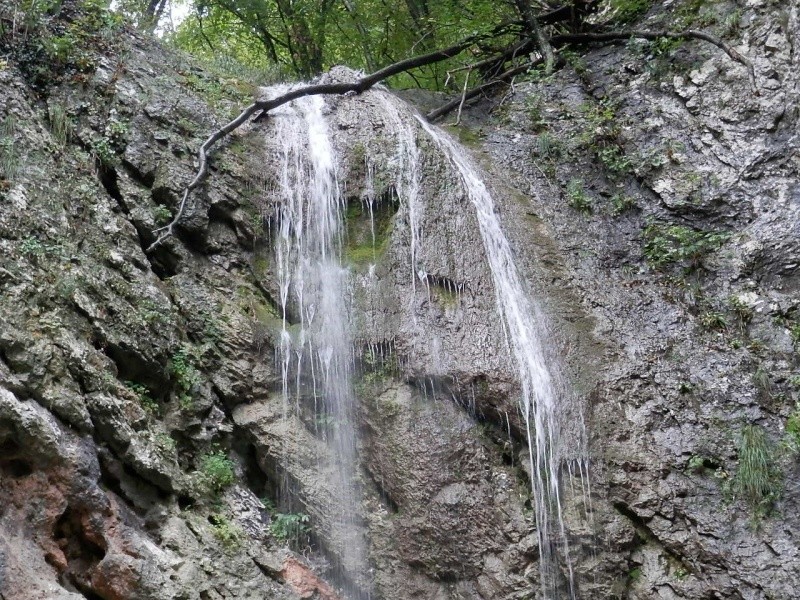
point(314, 283)
point(539, 398)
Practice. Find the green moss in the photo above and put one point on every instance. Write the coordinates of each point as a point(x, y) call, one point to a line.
point(446, 297)
point(361, 248)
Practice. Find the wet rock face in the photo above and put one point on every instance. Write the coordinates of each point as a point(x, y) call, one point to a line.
point(696, 337)
point(121, 371)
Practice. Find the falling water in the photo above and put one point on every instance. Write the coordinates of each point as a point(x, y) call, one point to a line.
point(407, 171)
point(312, 279)
point(539, 397)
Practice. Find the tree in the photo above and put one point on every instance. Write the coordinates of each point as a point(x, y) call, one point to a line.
point(536, 47)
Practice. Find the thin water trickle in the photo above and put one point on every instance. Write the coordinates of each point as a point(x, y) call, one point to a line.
point(539, 397)
point(407, 169)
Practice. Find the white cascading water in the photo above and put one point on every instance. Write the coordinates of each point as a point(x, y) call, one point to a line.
point(408, 177)
point(539, 399)
point(312, 278)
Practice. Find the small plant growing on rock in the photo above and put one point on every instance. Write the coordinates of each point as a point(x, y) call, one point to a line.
point(143, 395)
point(712, 320)
point(167, 442)
point(666, 245)
point(577, 197)
point(60, 124)
point(216, 471)
point(10, 160)
point(187, 377)
point(794, 330)
point(621, 203)
point(161, 214)
point(32, 247)
point(228, 533)
point(758, 481)
point(286, 527)
point(792, 438)
point(696, 464)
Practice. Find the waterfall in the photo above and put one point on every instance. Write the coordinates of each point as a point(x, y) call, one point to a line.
point(312, 279)
point(539, 396)
point(407, 176)
point(317, 338)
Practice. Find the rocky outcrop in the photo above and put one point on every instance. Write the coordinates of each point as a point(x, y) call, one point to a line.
point(627, 166)
point(143, 437)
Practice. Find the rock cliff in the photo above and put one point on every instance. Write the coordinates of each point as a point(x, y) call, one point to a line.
point(650, 195)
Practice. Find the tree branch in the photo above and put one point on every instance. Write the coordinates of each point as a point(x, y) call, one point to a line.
point(361, 85)
point(265, 106)
point(480, 89)
point(583, 38)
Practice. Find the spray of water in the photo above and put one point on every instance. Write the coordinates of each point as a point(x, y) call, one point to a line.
point(312, 279)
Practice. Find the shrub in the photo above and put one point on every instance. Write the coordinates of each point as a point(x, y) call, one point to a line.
point(676, 244)
point(229, 534)
point(289, 526)
point(187, 377)
point(216, 471)
point(577, 197)
point(143, 395)
point(792, 437)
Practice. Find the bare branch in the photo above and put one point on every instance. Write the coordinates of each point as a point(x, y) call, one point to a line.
point(265, 106)
point(480, 89)
point(361, 85)
point(584, 38)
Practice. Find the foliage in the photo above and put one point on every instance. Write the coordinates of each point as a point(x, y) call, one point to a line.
point(713, 320)
point(186, 375)
point(743, 312)
point(54, 39)
point(626, 11)
point(614, 160)
point(794, 331)
point(666, 245)
point(287, 527)
point(758, 481)
point(216, 471)
point(61, 126)
point(577, 197)
point(762, 382)
point(32, 247)
point(166, 441)
point(10, 160)
point(621, 203)
point(228, 533)
point(306, 37)
point(696, 463)
point(143, 395)
point(792, 437)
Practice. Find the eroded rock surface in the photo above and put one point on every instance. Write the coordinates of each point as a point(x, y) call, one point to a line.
point(122, 372)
